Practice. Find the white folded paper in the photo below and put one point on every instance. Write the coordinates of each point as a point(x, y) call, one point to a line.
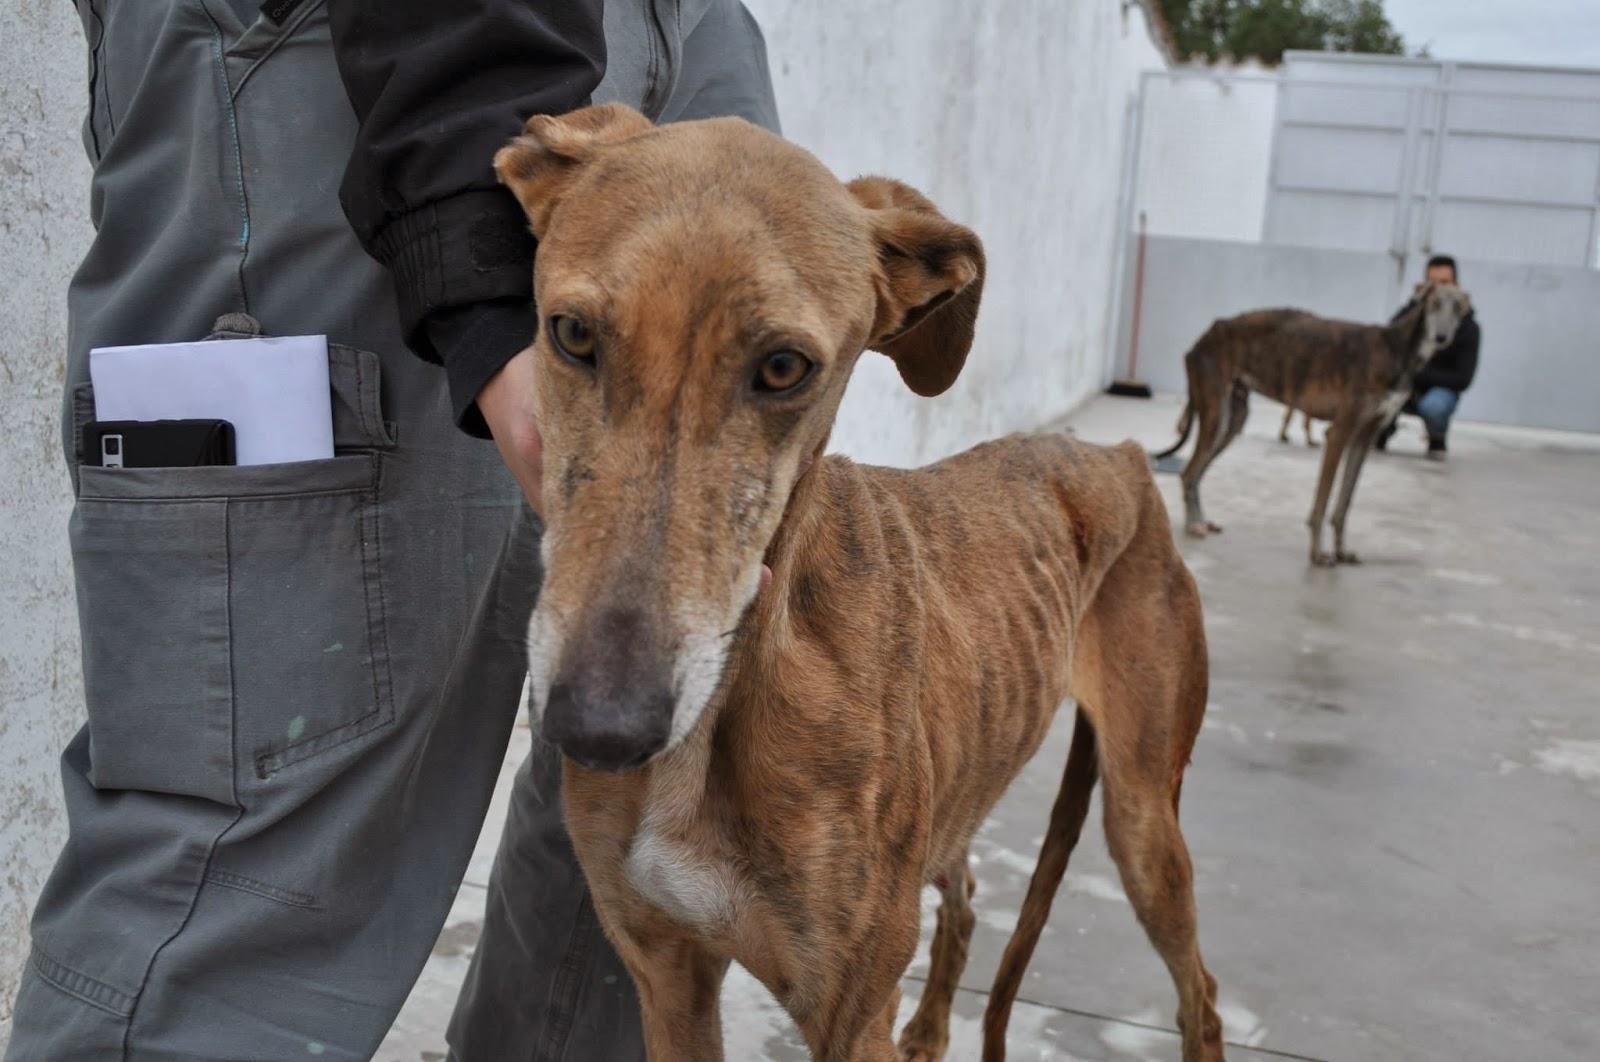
point(274, 391)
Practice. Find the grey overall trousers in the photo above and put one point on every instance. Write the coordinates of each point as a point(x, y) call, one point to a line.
point(300, 679)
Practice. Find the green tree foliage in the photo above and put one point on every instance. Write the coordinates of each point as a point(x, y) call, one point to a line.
point(1265, 29)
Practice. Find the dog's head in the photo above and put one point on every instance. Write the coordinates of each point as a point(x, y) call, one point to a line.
point(1444, 307)
point(704, 290)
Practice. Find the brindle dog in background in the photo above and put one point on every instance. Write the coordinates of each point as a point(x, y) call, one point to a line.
point(773, 777)
point(1356, 376)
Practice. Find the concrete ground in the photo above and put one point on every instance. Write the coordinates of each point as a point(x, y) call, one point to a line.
point(1394, 807)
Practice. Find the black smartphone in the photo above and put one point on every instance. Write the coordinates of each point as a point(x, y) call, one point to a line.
point(157, 443)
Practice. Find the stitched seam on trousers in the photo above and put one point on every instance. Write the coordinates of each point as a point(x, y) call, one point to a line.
point(387, 692)
point(81, 986)
point(219, 63)
point(568, 982)
point(97, 86)
point(295, 22)
point(367, 399)
point(382, 714)
point(270, 763)
point(288, 897)
point(233, 778)
point(332, 492)
point(104, 66)
point(647, 98)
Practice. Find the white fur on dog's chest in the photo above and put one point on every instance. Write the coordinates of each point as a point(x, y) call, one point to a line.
point(683, 883)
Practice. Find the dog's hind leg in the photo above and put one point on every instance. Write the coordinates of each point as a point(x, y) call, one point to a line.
point(1288, 418)
point(928, 1032)
point(1238, 413)
point(1355, 455)
point(1311, 440)
point(1147, 706)
point(1211, 413)
point(1066, 823)
point(1141, 822)
point(1221, 421)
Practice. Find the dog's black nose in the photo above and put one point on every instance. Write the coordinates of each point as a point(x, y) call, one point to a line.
point(606, 736)
point(1441, 339)
point(610, 706)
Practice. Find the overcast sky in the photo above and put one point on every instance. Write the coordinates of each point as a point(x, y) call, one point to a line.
point(1547, 32)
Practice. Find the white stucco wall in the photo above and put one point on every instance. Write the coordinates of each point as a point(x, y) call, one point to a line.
point(43, 229)
point(1010, 115)
point(1205, 152)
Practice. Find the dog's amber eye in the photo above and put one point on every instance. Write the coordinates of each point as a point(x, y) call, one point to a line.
point(572, 337)
point(782, 371)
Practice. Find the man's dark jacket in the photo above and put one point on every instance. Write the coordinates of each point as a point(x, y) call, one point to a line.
point(438, 87)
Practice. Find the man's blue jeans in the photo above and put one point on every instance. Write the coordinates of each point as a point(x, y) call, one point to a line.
point(1435, 406)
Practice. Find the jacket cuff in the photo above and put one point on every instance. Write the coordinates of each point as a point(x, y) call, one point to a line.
point(470, 248)
point(475, 342)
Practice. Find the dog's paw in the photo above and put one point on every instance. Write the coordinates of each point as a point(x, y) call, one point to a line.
point(1195, 530)
point(1347, 557)
point(1323, 560)
point(921, 1041)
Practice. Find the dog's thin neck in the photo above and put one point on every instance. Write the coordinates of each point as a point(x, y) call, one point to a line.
point(678, 782)
point(1406, 338)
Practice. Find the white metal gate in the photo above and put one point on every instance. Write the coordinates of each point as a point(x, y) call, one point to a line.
point(1407, 156)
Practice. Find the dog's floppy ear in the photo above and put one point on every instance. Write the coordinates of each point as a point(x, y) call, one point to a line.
point(929, 279)
point(539, 164)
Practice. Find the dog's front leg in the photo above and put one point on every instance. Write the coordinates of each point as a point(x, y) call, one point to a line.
point(1356, 453)
point(928, 1032)
point(1334, 446)
point(680, 991)
point(858, 990)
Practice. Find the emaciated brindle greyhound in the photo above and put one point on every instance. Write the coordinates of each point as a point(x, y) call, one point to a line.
point(772, 776)
point(1357, 376)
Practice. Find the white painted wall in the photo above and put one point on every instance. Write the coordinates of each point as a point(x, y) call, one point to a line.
point(1010, 115)
point(44, 228)
point(1205, 150)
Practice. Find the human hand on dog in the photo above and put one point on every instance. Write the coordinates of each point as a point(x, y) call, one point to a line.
point(506, 403)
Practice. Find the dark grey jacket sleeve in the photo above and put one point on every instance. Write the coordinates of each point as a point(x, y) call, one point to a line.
point(438, 86)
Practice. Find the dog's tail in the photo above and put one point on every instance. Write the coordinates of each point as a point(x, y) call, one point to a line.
point(1185, 425)
point(1066, 823)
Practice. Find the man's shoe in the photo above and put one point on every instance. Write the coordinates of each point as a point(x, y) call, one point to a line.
point(1436, 451)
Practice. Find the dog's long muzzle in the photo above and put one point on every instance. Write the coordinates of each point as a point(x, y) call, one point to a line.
point(611, 700)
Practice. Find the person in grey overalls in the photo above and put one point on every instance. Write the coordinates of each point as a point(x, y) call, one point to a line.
point(301, 679)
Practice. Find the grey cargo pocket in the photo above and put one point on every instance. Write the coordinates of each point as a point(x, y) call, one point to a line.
point(233, 617)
